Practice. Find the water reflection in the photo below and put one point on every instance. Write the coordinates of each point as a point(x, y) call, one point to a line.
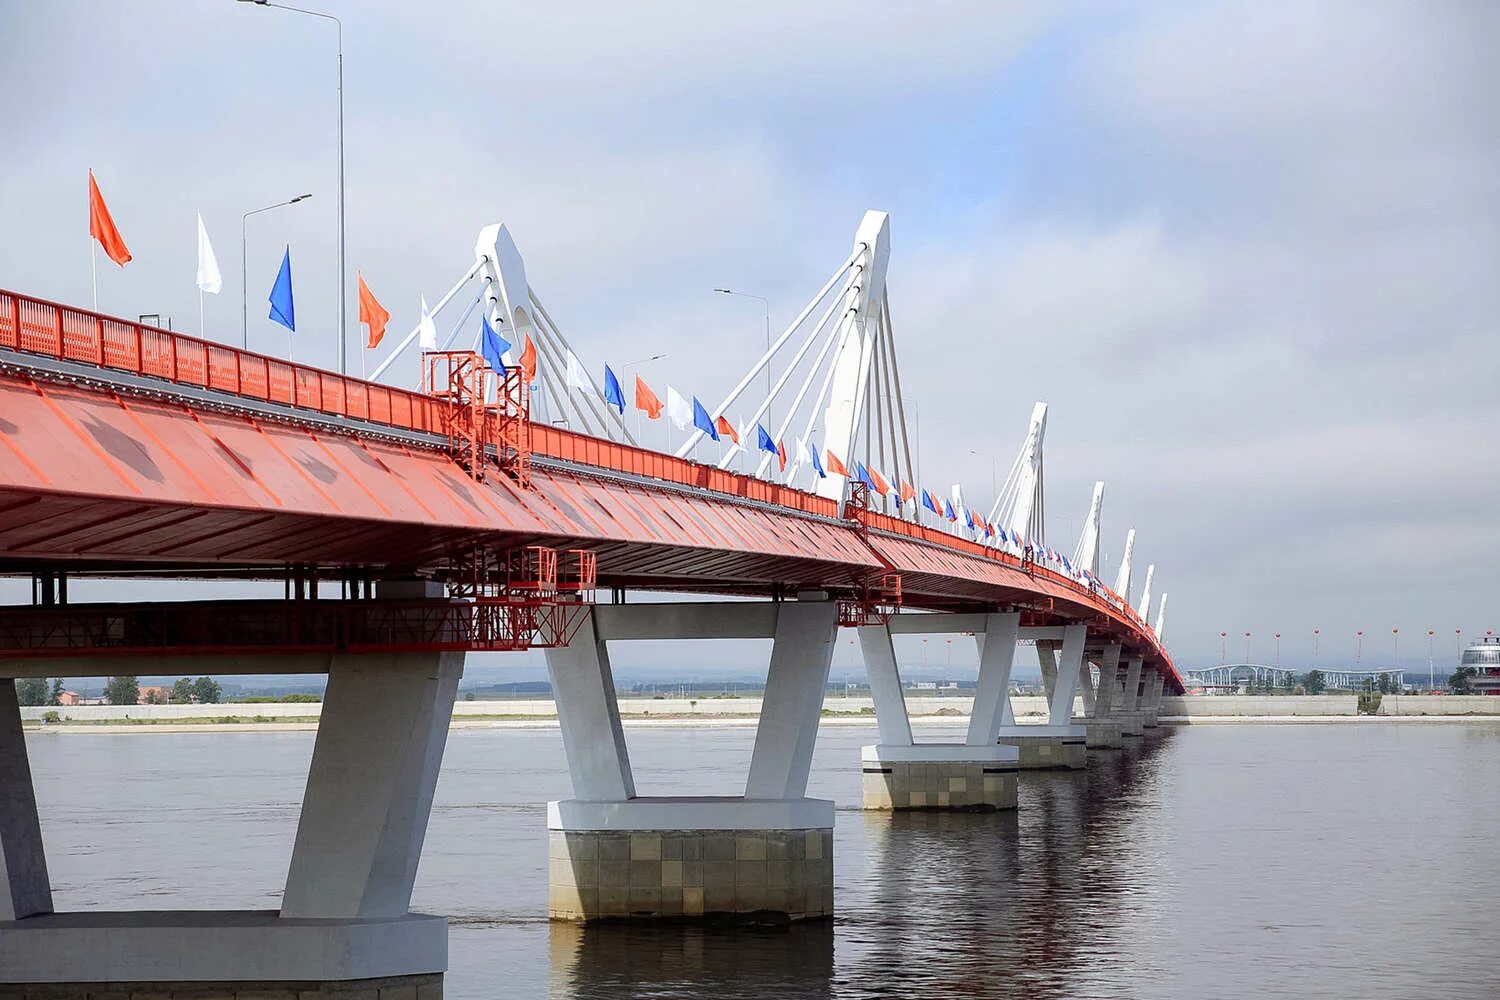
point(683, 960)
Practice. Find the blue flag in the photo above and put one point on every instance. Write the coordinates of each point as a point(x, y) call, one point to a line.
point(948, 511)
point(928, 502)
point(864, 475)
point(969, 516)
point(703, 421)
point(817, 462)
point(281, 295)
point(1003, 536)
point(766, 444)
point(612, 394)
point(493, 346)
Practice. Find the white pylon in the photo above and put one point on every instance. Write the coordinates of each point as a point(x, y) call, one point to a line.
point(1161, 614)
point(1145, 609)
point(1122, 578)
point(1020, 507)
point(1086, 556)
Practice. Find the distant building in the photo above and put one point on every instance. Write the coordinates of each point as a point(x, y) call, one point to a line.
point(70, 698)
point(154, 695)
point(1484, 657)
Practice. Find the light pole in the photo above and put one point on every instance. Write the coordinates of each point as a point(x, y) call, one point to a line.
point(1247, 647)
point(1359, 646)
point(1395, 646)
point(343, 274)
point(1278, 650)
point(1316, 632)
point(1430, 634)
point(765, 305)
point(994, 477)
point(1223, 647)
point(629, 365)
point(244, 268)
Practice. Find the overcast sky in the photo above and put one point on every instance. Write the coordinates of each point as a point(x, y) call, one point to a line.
point(1246, 251)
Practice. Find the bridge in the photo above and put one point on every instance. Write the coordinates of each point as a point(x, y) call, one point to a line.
point(405, 527)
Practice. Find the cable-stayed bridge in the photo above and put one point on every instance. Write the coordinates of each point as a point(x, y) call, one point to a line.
point(405, 527)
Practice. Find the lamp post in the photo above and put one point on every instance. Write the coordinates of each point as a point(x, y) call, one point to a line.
point(1430, 634)
point(1316, 632)
point(629, 365)
point(1359, 646)
point(1247, 647)
point(244, 268)
point(1223, 647)
point(343, 273)
point(1278, 650)
point(1395, 646)
point(994, 474)
point(765, 305)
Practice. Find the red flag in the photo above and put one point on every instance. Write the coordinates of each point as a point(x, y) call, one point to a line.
point(881, 486)
point(835, 466)
point(907, 493)
point(725, 427)
point(781, 456)
point(371, 313)
point(527, 360)
point(645, 399)
point(102, 226)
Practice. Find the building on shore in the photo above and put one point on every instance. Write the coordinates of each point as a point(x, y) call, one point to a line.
point(1484, 657)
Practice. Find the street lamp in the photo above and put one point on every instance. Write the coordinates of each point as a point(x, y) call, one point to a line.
point(1278, 650)
point(994, 478)
point(244, 272)
point(1395, 646)
point(1223, 647)
point(343, 273)
point(631, 364)
point(1247, 647)
point(765, 305)
point(1359, 645)
point(1430, 634)
point(1316, 632)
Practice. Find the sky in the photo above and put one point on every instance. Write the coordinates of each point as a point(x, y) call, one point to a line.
point(1245, 251)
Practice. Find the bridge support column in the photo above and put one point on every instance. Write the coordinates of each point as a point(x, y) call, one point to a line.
point(976, 775)
point(1132, 723)
point(1104, 730)
point(1151, 699)
point(1060, 743)
point(764, 856)
point(343, 930)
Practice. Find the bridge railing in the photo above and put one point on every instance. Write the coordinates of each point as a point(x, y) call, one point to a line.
point(66, 333)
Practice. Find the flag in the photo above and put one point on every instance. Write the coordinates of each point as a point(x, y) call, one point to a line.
point(969, 517)
point(527, 360)
point(575, 376)
point(725, 427)
point(780, 457)
point(802, 452)
point(835, 466)
point(907, 493)
point(645, 399)
point(426, 329)
point(1003, 536)
point(612, 394)
point(679, 411)
point(763, 440)
point(948, 511)
point(492, 346)
point(929, 503)
point(703, 421)
point(864, 475)
point(102, 226)
point(209, 278)
point(371, 313)
point(881, 486)
point(816, 464)
point(282, 310)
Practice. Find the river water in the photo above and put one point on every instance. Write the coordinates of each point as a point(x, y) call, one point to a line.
point(1352, 861)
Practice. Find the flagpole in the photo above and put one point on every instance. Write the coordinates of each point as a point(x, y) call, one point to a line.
point(201, 331)
point(94, 269)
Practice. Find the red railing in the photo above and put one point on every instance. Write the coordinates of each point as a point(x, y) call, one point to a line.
point(37, 326)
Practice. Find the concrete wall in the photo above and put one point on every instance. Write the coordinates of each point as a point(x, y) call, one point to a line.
point(539, 707)
point(1211, 706)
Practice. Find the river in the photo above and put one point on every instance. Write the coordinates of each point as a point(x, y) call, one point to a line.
point(1351, 861)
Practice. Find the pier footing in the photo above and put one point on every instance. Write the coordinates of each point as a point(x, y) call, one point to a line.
point(1048, 747)
point(1101, 734)
point(200, 953)
point(689, 858)
point(940, 776)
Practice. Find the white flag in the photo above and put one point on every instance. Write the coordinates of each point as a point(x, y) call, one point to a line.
point(576, 377)
point(804, 457)
point(209, 279)
point(427, 332)
point(679, 410)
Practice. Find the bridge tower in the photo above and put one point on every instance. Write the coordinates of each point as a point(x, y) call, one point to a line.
point(1145, 606)
point(1122, 577)
point(1086, 555)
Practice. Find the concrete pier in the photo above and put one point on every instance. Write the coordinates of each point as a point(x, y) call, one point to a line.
point(764, 856)
point(1059, 744)
point(344, 928)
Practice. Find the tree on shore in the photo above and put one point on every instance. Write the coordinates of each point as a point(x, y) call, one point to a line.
point(207, 691)
point(1314, 682)
point(31, 691)
point(1459, 682)
point(55, 697)
point(182, 691)
point(122, 691)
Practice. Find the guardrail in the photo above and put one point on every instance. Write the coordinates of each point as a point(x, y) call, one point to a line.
point(66, 333)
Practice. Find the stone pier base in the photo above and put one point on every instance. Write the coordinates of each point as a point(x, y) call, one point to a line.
point(1131, 723)
point(954, 777)
point(1101, 734)
point(425, 987)
point(604, 864)
point(1055, 748)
